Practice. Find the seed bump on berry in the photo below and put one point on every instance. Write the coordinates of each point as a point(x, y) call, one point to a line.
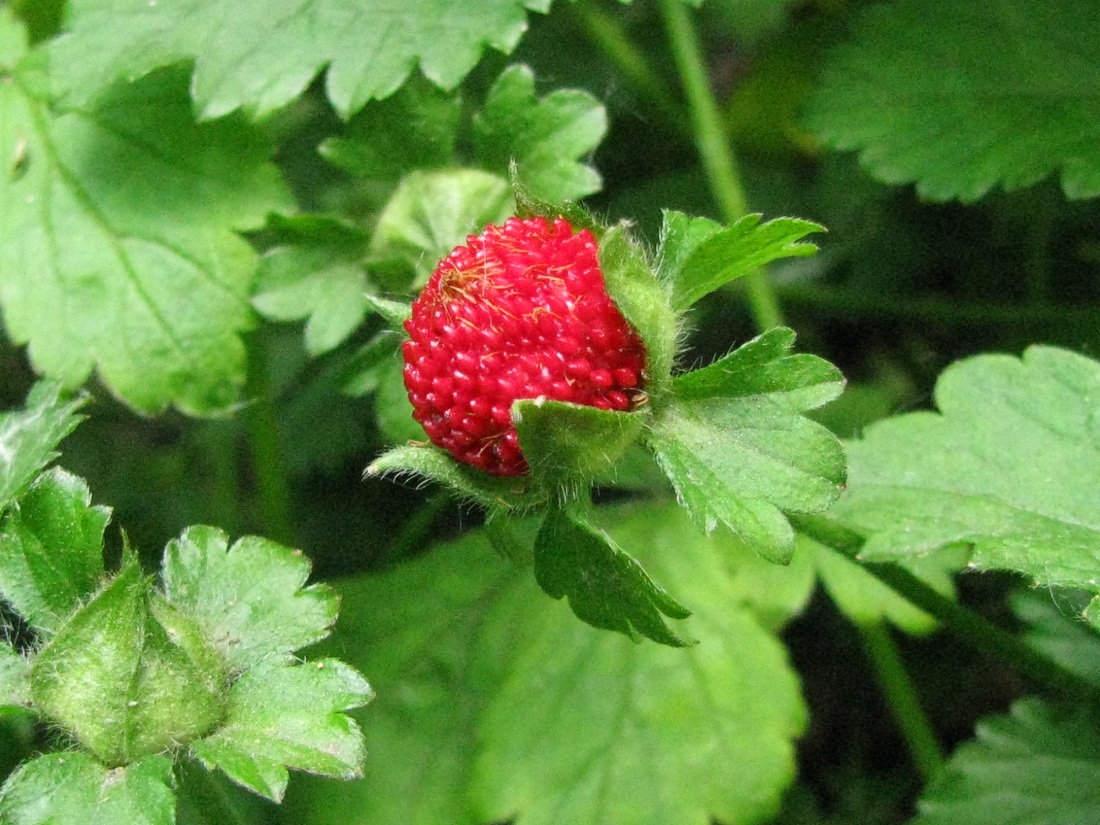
point(520, 311)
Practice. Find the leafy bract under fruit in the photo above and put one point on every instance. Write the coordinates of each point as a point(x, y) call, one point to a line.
point(519, 312)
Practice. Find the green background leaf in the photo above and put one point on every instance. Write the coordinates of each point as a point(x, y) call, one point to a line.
point(262, 54)
point(495, 703)
point(117, 243)
point(961, 97)
point(1036, 766)
point(73, 787)
point(1010, 464)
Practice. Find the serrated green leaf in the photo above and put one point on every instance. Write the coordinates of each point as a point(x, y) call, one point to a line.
point(1036, 766)
point(542, 136)
point(378, 146)
point(14, 678)
point(436, 465)
point(51, 549)
point(117, 249)
point(29, 437)
point(737, 450)
point(523, 713)
point(249, 597)
point(1009, 465)
point(433, 212)
point(323, 284)
point(642, 301)
point(961, 97)
point(680, 235)
point(127, 682)
point(289, 716)
point(72, 787)
point(716, 259)
point(567, 445)
point(606, 587)
point(765, 366)
point(261, 54)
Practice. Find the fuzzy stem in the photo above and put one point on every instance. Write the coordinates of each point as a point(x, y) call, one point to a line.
point(715, 148)
point(967, 625)
point(902, 698)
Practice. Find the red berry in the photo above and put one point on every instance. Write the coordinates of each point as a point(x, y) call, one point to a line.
point(520, 311)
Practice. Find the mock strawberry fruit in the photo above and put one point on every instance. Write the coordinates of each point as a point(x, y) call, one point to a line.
point(521, 311)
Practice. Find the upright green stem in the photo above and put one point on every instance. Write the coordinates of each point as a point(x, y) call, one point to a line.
point(268, 462)
point(903, 700)
point(607, 33)
point(715, 148)
point(968, 626)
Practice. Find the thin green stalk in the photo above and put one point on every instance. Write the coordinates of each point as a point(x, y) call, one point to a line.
point(268, 461)
point(967, 625)
point(608, 35)
point(715, 148)
point(902, 699)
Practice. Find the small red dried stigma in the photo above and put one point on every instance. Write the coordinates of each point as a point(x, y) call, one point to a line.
point(520, 311)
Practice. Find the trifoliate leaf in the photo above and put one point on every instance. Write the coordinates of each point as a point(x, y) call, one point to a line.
point(326, 285)
point(262, 54)
point(524, 714)
point(1036, 766)
point(73, 787)
point(14, 678)
point(117, 250)
point(605, 586)
point(128, 681)
point(1010, 465)
point(432, 212)
point(960, 97)
point(737, 450)
point(696, 261)
point(51, 549)
point(29, 437)
point(543, 136)
point(567, 445)
point(249, 597)
point(289, 716)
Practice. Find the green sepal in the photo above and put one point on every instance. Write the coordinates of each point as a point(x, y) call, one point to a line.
point(284, 715)
point(643, 301)
point(714, 258)
point(433, 464)
point(530, 205)
point(568, 445)
point(126, 680)
point(72, 787)
point(51, 549)
point(733, 443)
point(606, 587)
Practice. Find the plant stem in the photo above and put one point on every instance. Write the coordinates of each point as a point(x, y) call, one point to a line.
point(967, 625)
point(608, 35)
point(417, 528)
point(715, 148)
point(902, 698)
point(268, 462)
